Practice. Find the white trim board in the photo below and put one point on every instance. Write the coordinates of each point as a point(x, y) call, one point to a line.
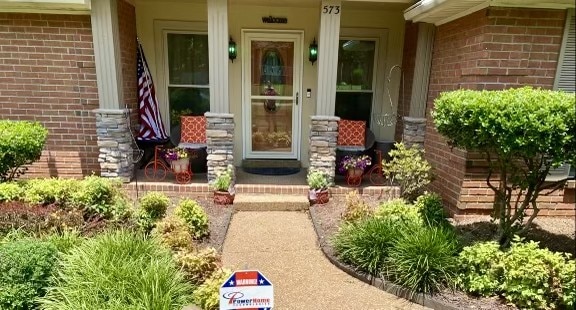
point(79, 7)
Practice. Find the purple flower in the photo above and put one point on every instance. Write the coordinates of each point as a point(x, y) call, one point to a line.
point(349, 162)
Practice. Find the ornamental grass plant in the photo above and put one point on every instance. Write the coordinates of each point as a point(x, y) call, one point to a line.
point(118, 270)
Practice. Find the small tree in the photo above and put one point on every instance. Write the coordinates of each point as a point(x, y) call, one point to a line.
point(522, 133)
point(21, 143)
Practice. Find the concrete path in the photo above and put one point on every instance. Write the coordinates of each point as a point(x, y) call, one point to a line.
point(282, 245)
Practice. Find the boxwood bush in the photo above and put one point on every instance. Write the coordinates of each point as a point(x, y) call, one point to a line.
point(25, 269)
point(194, 216)
point(525, 275)
point(21, 143)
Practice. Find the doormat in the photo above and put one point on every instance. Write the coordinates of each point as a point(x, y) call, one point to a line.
point(271, 170)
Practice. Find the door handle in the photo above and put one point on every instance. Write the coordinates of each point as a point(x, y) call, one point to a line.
point(297, 97)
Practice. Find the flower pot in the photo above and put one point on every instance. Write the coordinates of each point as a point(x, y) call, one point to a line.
point(223, 198)
point(180, 165)
point(319, 197)
point(354, 176)
point(355, 172)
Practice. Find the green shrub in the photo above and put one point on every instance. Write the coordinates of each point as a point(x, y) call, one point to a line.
point(50, 191)
point(173, 233)
point(431, 209)
point(521, 133)
point(532, 276)
point(25, 269)
point(194, 216)
point(21, 143)
point(198, 265)
point(399, 210)
point(100, 196)
point(480, 271)
point(423, 259)
point(356, 208)
point(11, 191)
point(118, 270)
point(207, 295)
point(366, 244)
point(526, 275)
point(568, 284)
point(409, 169)
point(155, 204)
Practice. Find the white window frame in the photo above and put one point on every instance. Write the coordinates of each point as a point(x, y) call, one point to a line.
point(380, 36)
point(161, 30)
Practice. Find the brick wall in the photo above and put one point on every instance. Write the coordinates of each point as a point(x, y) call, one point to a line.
point(495, 48)
point(47, 75)
point(128, 46)
point(408, 64)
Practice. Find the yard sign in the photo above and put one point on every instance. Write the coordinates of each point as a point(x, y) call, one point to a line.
point(246, 289)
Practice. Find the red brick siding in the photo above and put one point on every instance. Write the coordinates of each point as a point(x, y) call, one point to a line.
point(408, 64)
point(457, 47)
point(128, 46)
point(495, 48)
point(47, 75)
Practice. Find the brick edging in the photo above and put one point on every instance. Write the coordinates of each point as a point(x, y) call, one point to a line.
point(421, 299)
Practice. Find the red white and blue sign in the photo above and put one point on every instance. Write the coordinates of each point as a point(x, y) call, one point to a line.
point(246, 289)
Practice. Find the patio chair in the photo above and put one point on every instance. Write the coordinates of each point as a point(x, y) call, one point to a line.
point(354, 139)
point(191, 135)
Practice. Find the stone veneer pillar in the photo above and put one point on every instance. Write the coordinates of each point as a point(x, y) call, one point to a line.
point(414, 132)
point(115, 143)
point(220, 141)
point(323, 139)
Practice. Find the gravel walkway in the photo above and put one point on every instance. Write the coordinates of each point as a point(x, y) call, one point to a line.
point(282, 245)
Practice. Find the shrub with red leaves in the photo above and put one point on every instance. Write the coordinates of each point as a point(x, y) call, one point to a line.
point(37, 218)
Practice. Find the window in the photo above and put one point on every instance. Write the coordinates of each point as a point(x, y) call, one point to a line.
point(355, 81)
point(188, 85)
point(566, 71)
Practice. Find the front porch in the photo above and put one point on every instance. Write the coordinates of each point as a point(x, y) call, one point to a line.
point(247, 183)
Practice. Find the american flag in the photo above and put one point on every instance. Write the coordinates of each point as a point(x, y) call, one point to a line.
point(151, 125)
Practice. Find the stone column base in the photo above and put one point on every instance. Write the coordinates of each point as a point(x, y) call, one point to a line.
point(414, 132)
point(323, 139)
point(220, 141)
point(115, 143)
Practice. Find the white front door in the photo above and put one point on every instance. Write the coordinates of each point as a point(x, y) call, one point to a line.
point(272, 68)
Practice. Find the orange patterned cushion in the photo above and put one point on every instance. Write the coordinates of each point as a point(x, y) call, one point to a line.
point(351, 132)
point(193, 129)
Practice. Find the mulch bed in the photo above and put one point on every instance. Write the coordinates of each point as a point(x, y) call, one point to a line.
point(558, 234)
point(219, 218)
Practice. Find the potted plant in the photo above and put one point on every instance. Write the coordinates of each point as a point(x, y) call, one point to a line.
point(318, 183)
point(178, 159)
point(223, 187)
point(354, 167)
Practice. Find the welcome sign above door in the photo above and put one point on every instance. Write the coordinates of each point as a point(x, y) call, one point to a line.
point(274, 20)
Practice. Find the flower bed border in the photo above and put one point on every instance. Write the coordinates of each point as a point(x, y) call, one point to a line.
point(421, 299)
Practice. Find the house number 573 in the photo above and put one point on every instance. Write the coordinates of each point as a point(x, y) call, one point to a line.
point(331, 9)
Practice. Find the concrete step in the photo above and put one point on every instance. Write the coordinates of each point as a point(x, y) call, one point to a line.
point(270, 202)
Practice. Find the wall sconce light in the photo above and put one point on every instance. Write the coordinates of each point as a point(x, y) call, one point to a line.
point(313, 52)
point(232, 49)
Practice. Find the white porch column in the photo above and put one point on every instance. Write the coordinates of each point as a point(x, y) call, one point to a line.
point(422, 70)
point(218, 55)
point(330, 12)
point(107, 57)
